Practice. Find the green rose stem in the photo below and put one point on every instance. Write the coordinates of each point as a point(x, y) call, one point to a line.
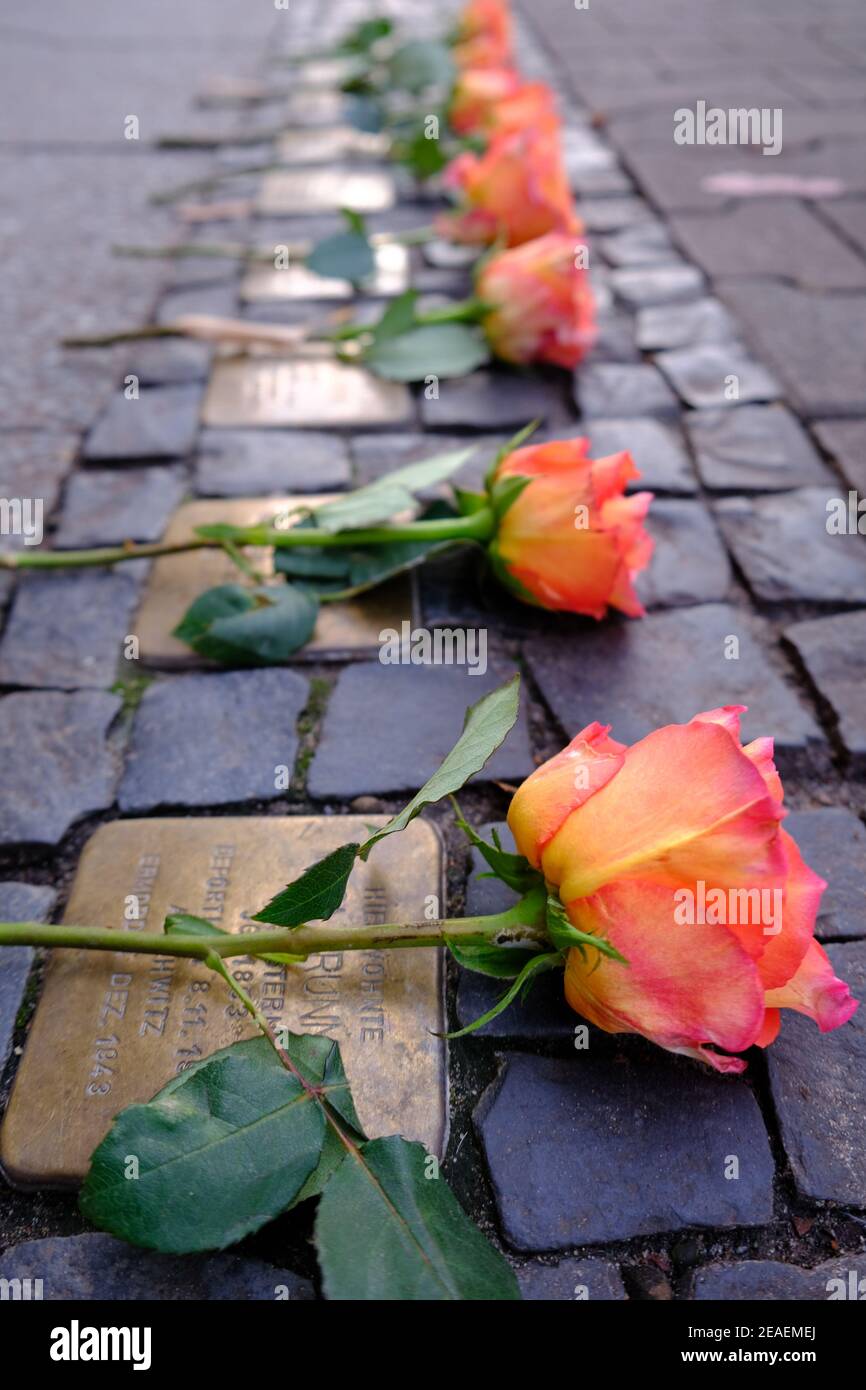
point(479, 526)
point(518, 926)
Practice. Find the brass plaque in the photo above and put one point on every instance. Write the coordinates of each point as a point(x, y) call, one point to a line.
point(110, 1030)
point(296, 192)
point(300, 393)
point(329, 145)
point(264, 282)
point(342, 629)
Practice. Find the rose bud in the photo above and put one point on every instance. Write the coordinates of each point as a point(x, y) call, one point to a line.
point(516, 191)
point(487, 101)
point(484, 35)
point(673, 850)
point(541, 305)
point(570, 540)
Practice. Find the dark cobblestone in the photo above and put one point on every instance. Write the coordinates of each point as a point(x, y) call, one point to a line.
point(772, 1281)
point(845, 440)
point(819, 1091)
point(170, 362)
point(684, 325)
point(782, 238)
point(665, 669)
point(656, 448)
point(712, 374)
point(19, 902)
point(66, 632)
point(833, 650)
point(161, 423)
point(782, 545)
point(690, 564)
point(250, 463)
point(639, 1146)
point(57, 766)
point(493, 400)
point(100, 1268)
point(412, 715)
point(643, 286)
point(614, 391)
point(212, 740)
point(129, 504)
point(758, 448)
point(833, 843)
point(594, 1280)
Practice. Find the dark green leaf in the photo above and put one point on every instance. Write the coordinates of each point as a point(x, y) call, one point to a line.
point(392, 493)
point(423, 156)
point(387, 1232)
point(515, 442)
point(535, 966)
point(421, 64)
point(319, 1061)
point(398, 317)
point(223, 1149)
point(344, 256)
point(436, 349)
point(513, 869)
point(564, 935)
point(503, 962)
point(506, 491)
point(316, 895)
point(486, 725)
point(365, 34)
point(241, 626)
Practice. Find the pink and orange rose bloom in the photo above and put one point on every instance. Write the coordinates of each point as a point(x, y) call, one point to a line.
point(541, 306)
point(517, 190)
point(571, 541)
point(489, 101)
point(626, 835)
point(484, 35)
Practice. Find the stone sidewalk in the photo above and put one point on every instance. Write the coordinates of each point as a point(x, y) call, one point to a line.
point(602, 1170)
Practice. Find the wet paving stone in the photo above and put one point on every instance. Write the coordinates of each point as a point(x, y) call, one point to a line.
point(412, 716)
point(161, 423)
point(833, 843)
point(571, 1280)
point(689, 564)
point(244, 463)
point(772, 1281)
point(170, 362)
point(648, 243)
point(57, 766)
point(656, 448)
point(615, 391)
point(586, 1150)
point(493, 400)
point(684, 325)
point(758, 448)
point(818, 1083)
point(640, 287)
point(99, 1268)
point(703, 375)
point(665, 669)
point(108, 508)
point(776, 237)
point(33, 463)
point(65, 631)
point(212, 740)
point(813, 342)
point(19, 902)
point(542, 1012)
point(782, 546)
point(833, 650)
point(845, 441)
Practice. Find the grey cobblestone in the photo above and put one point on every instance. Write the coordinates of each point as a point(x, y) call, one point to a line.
point(833, 843)
point(249, 463)
point(758, 448)
point(19, 902)
point(772, 1281)
point(161, 423)
point(611, 390)
point(108, 508)
point(782, 545)
point(65, 631)
point(713, 374)
point(833, 650)
point(593, 1280)
point(656, 448)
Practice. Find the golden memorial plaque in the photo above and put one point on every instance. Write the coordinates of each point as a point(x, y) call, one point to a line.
point(300, 393)
point(111, 1029)
point(329, 145)
point(296, 192)
point(349, 628)
point(263, 282)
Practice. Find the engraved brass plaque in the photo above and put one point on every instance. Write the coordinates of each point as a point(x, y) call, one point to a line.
point(295, 192)
point(263, 282)
point(329, 145)
point(110, 1029)
point(300, 393)
point(349, 628)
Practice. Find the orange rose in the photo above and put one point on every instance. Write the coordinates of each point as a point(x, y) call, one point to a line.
point(542, 306)
point(487, 101)
point(517, 190)
point(571, 541)
point(673, 850)
point(484, 35)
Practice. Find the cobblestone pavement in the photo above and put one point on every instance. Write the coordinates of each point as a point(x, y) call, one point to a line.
point(602, 1169)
